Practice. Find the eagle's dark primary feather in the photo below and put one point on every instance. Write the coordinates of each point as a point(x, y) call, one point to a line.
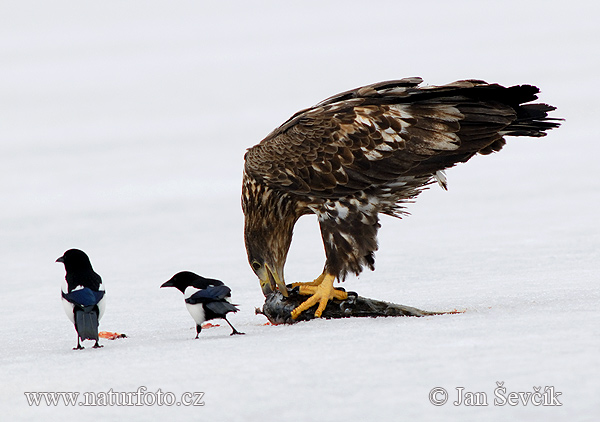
point(369, 151)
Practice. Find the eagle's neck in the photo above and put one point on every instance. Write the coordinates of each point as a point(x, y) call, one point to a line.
point(270, 216)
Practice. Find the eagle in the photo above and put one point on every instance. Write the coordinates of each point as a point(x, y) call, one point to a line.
point(365, 152)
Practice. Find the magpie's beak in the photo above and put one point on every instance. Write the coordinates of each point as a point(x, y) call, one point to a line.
point(61, 259)
point(167, 284)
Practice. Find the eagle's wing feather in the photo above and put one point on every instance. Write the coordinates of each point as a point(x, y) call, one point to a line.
point(368, 151)
point(374, 135)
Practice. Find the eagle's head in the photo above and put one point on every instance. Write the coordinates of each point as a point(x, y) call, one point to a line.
point(269, 218)
point(265, 259)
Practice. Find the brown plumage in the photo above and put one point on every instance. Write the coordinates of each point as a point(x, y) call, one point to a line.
point(369, 151)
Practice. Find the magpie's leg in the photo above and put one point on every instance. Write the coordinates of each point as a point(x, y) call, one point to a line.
point(234, 330)
point(97, 346)
point(198, 329)
point(79, 346)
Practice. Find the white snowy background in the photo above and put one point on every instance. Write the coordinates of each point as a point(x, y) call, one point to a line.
point(123, 126)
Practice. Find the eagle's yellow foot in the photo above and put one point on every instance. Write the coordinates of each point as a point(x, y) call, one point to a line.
point(315, 282)
point(321, 293)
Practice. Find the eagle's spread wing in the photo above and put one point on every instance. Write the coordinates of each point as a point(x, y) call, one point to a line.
point(370, 136)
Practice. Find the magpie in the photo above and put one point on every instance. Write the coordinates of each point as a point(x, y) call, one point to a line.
point(205, 298)
point(82, 295)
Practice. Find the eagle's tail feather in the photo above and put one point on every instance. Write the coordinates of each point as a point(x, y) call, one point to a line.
point(532, 120)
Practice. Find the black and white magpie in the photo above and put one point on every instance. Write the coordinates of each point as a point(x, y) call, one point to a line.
point(82, 295)
point(205, 298)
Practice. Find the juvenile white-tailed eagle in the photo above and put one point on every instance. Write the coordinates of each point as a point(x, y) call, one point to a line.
point(365, 152)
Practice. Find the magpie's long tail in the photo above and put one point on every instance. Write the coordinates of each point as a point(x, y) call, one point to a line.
point(86, 322)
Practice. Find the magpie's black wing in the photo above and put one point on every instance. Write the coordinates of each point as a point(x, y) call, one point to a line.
point(221, 307)
point(83, 297)
point(210, 294)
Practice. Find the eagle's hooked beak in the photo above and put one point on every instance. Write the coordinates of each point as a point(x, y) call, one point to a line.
point(270, 281)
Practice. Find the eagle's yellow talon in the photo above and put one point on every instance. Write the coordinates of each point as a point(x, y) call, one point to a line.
point(321, 308)
point(306, 290)
point(315, 282)
point(320, 293)
point(339, 294)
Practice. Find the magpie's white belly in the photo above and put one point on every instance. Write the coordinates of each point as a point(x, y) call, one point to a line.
point(197, 312)
point(68, 307)
point(101, 307)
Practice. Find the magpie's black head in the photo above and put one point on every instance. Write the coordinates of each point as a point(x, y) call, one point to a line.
point(75, 260)
point(182, 280)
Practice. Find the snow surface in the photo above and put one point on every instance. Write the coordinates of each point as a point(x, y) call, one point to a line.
point(122, 132)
